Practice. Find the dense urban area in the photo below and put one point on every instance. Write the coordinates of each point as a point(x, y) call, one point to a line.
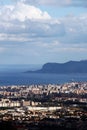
point(35, 107)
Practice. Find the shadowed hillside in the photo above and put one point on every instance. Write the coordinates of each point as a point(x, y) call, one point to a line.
point(68, 67)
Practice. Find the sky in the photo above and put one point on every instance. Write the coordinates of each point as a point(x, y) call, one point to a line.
point(41, 31)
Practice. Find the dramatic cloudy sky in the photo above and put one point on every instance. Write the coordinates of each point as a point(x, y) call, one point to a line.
point(40, 31)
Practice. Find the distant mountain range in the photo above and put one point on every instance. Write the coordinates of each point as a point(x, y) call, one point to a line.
point(63, 68)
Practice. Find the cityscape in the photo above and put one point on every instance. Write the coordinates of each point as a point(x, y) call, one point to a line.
point(58, 106)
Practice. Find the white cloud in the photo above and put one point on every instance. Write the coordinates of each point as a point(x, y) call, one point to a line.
point(75, 28)
point(23, 22)
point(22, 12)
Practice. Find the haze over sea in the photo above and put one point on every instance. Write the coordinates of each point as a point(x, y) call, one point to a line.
point(15, 75)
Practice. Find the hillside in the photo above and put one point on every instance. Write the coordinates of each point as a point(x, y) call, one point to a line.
point(68, 67)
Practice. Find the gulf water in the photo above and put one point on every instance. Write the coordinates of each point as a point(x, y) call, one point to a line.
point(15, 75)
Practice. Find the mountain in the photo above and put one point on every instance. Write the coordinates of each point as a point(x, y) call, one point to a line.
point(68, 67)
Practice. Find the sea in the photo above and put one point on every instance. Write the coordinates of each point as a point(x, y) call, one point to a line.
point(17, 75)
